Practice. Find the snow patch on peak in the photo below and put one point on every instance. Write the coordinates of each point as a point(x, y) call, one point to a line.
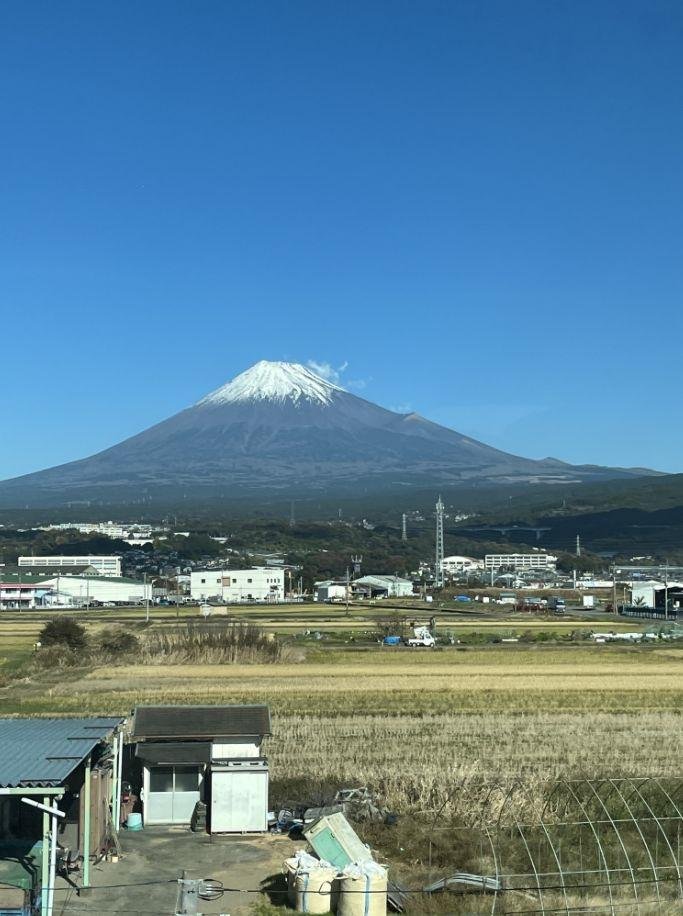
point(273, 381)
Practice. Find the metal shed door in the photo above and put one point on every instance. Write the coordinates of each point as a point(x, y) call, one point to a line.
point(173, 793)
point(239, 801)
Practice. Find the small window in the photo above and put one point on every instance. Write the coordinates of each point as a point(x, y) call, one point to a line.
point(249, 581)
point(161, 779)
point(234, 581)
point(186, 779)
point(203, 581)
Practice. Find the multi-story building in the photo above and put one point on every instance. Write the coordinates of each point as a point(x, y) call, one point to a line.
point(105, 566)
point(519, 561)
point(456, 564)
point(109, 529)
point(234, 585)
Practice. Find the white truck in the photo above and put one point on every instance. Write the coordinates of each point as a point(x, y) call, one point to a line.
point(421, 638)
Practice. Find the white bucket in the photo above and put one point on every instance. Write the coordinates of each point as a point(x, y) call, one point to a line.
point(313, 890)
point(363, 895)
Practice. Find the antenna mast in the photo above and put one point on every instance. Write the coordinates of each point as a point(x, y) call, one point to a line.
point(404, 528)
point(438, 573)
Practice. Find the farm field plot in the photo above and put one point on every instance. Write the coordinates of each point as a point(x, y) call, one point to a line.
point(431, 732)
point(415, 723)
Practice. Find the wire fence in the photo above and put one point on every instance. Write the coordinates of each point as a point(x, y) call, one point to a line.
point(609, 846)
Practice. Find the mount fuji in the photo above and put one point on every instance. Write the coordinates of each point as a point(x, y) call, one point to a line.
point(281, 428)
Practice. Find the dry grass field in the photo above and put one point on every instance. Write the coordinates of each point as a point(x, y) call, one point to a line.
point(414, 724)
point(430, 731)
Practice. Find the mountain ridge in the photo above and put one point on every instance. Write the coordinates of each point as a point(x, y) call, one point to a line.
point(280, 425)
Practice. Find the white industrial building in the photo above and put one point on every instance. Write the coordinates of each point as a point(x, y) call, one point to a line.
point(81, 591)
point(105, 566)
point(68, 590)
point(235, 585)
point(456, 564)
point(650, 594)
point(330, 590)
point(383, 586)
point(519, 561)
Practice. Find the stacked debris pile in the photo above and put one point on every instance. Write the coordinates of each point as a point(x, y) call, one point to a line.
point(341, 876)
point(198, 819)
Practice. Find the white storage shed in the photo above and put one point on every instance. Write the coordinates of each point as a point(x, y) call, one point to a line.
point(209, 754)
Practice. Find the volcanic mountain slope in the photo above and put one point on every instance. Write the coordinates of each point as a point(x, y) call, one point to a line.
point(279, 426)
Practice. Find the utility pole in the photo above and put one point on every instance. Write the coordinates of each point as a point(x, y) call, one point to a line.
point(146, 599)
point(438, 573)
point(348, 589)
point(404, 527)
point(666, 591)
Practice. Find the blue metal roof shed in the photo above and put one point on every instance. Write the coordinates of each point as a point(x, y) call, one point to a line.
point(37, 758)
point(43, 752)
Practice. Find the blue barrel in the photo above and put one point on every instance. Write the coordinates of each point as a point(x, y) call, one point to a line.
point(392, 640)
point(134, 822)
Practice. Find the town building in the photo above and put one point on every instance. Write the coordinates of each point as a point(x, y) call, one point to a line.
point(18, 595)
point(207, 754)
point(519, 561)
point(235, 585)
point(105, 565)
point(108, 529)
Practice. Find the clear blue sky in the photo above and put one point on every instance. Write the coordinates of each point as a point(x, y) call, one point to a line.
point(477, 205)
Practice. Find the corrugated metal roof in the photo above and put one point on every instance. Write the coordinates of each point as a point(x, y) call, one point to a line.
point(380, 580)
point(42, 752)
point(200, 721)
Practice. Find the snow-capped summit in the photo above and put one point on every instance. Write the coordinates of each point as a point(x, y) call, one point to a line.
point(273, 381)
